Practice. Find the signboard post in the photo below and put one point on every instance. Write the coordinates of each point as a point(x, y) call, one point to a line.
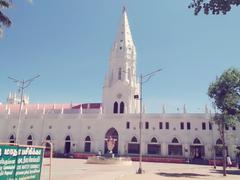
point(20, 162)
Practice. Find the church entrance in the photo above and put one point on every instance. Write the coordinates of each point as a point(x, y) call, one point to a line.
point(197, 151)
point(111, 141)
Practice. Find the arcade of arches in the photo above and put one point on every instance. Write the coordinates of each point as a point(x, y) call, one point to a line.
point(175, 148)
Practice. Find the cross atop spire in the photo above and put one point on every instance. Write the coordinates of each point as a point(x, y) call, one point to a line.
point(124, 9)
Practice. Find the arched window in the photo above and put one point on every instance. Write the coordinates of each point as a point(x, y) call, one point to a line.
point(219, 141)
point(175, 149)
point(68, 138)
point(134, 139)
point(88, 138)
point(146, 125)
point(122, 107)
point(67, 148)
point(119, 73)
point(175, 140)
point(196, 141)
point(29, 140)
point(48, 147)
point(87, 145)
point(115, 108)
point(154, 147)
point(12, 139)
point(48, 138)
point(128, 125)
point(154, 140)
point(133, 146)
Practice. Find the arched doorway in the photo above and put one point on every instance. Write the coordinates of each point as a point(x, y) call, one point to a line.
point(87, 145)
point(111, 134)
point(197, 149)
point(67, 148)
point(219, 148)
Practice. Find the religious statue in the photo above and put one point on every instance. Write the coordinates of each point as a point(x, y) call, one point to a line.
point(110, 144)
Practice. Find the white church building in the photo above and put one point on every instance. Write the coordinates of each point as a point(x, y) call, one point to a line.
point(84, 128)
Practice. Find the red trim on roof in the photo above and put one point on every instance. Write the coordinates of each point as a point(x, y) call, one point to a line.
point(84, 106)
point(95, 105)
point(77, 106)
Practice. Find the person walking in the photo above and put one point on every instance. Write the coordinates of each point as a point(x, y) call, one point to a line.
point(229, 162)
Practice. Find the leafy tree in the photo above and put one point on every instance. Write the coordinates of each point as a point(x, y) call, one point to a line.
point(4, 20)
point(213, 6)
point(225, 92)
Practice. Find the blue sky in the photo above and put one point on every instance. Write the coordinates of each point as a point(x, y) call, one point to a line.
point(68, 44)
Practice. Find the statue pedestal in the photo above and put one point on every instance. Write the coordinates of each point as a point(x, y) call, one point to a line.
point(109, 160)
point(109, 155)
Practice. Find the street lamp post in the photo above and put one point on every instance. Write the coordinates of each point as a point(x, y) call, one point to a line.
point(22, 85)
point(143, 79)
point(140, 170)
point(213, 147)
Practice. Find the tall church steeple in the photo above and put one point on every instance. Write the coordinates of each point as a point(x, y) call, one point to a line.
point(121, 83)
point(124, 45)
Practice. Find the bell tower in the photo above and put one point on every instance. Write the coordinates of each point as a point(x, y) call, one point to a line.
point(121, 84)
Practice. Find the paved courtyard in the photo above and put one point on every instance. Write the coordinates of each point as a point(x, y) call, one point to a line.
point(71, 169)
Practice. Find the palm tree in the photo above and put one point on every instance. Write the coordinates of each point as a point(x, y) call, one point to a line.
point(4, 20)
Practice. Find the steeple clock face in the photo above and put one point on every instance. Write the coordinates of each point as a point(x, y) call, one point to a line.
point(119, 95)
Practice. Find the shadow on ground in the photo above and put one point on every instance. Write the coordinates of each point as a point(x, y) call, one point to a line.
point(230, 171)
point(187, 175)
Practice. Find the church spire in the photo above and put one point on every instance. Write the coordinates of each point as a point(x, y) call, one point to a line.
point(124, 42)
point(121, 83)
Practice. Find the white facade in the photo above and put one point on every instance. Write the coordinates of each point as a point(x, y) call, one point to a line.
point(85, 127)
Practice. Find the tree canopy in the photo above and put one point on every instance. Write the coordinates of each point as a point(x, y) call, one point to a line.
point(225, 92)
point(4, 20)
point(214, 7)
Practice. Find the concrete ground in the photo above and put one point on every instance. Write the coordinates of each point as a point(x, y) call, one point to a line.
point(71, 169)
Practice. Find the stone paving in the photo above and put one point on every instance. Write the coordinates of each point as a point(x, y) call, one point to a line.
point(72, 169)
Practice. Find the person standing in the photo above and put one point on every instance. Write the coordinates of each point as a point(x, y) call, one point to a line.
point(238, 160)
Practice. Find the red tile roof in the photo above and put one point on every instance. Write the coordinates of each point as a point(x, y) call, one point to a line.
point(47, 107)
point(88, 106)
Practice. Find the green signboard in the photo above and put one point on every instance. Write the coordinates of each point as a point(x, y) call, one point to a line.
point(20, 162)
point(8, 157)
